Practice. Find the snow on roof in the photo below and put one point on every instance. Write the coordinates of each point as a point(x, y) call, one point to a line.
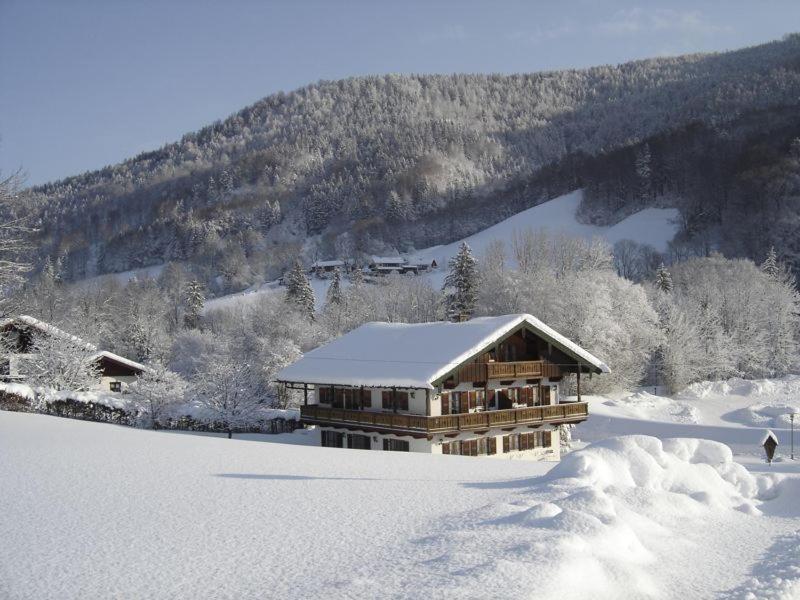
point(414, 355)
point(122, 360)
point(49, 329)
point(389, 260)
point(768, 435)
point(328, 263)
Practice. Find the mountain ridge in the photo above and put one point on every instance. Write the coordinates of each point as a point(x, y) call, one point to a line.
point(394, 161)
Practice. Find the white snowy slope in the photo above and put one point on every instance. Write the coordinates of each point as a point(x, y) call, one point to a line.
point(736, 412)
point(92, 510)
point(653, 226)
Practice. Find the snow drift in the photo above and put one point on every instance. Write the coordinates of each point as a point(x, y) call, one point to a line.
point(609, 521)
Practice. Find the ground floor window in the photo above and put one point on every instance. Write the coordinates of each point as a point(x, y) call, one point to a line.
point(396, 445)
point(332, 439)
point(527, 441)
point(358, 442)
point(481, 446)
point(116, 386)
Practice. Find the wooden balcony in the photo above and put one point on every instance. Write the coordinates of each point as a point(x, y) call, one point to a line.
point(508, 370)
point(571, 412)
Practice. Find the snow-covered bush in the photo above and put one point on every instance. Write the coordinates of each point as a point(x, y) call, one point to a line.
point(157, 392)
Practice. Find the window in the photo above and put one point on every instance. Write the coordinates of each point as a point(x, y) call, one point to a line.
point(527, 441)
point(116, 386)
point(395, 445)
point(324, 395)
point(358, 442)
point(332, 439)
point(389, 397)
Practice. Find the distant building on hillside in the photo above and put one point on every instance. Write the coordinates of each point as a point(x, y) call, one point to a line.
point(322, 268)
point(18, 335)
point(489, 386)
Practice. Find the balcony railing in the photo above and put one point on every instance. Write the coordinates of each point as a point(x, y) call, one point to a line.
point(508, 370)
point(570, 412)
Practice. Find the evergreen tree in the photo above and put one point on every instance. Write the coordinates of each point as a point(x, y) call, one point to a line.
point(663, 279)
point(770, 264)
point(334, 295)
point(194, 299)
point(298, 290)
point(462, 283)
point(357, 277)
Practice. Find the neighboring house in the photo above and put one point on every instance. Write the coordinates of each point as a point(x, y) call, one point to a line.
point(383, 265)
point(489, 386)
point(322, 268)
point(18, 334)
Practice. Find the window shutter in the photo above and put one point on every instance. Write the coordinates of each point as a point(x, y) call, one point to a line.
point(445, 403)
point(506, 443)
point(491, 445)
point(446, 448)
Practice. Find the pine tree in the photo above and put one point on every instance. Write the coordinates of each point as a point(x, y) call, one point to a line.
point(194, 299)
point(334, 295)
point(770, 264)
point(357, 277)
point(298, 290)
point(663, 279)
point(462, 281)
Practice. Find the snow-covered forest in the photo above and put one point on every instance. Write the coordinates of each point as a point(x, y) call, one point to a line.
point(343, 168)
point(703, 318)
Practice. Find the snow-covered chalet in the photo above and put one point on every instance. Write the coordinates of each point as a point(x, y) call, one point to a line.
point(17, 334)
point(488, 386)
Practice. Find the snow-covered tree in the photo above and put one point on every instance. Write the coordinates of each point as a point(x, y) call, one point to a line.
point(61, 363)
point(194, 299)
point(334, 294)
point(770, 264)
point(157, 391)
point(299, 292)
point(14, 243)
point(460, 285)
point(224, 389)
point(663, 279)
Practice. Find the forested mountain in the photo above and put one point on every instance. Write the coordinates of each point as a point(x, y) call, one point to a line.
point(371, 163)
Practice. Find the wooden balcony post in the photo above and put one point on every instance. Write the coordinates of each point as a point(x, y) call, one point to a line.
point(579, 382)
point(305, 394)
point(394, 399)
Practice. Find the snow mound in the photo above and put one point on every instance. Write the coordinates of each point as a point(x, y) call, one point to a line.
point(782, 388)
point(702, 470)
point(644, 405)
point(772, 399)
point(600, 524)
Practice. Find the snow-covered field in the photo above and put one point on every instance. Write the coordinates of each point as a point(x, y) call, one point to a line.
point(93, 510)
point(653, 226)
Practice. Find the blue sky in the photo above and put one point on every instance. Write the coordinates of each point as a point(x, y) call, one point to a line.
point(89, 83)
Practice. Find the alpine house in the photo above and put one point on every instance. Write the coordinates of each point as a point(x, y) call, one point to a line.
point(488, 386)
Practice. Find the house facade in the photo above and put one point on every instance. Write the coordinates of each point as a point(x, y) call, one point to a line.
point(484, 387)
point(19, 333)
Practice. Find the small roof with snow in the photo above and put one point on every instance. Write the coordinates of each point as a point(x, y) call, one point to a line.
point(388, 260)
point(328, 263)
point(48, 329)
point(415, 355)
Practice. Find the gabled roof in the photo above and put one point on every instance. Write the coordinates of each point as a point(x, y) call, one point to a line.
point(415, 355)
point(389, 260)
point(327, 263)
point(48, 329)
